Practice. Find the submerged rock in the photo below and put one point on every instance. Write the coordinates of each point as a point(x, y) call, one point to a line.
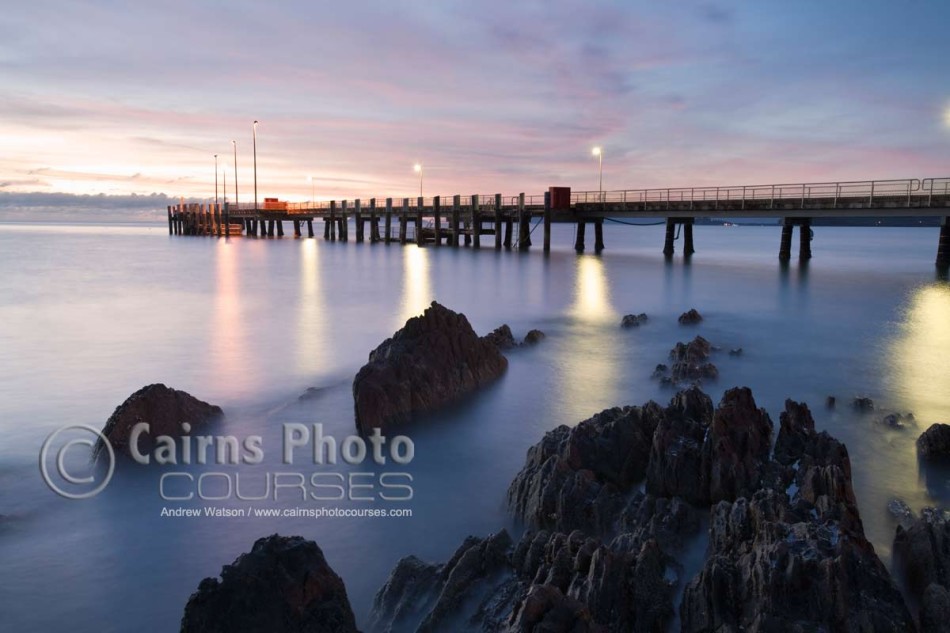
point(283, 584)
point(830, 402)
point(633, 320)
point(736, 351)
point(862, 404)
point(689, 363)
point(934, 443)
point(435, 359)
point(897, 421)
point(164, 409)
point(534, 337)
point(691, 317)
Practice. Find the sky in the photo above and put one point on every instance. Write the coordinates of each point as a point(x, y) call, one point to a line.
point(128, 97)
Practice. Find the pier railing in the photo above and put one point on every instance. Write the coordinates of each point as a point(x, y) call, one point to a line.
point(865, 191)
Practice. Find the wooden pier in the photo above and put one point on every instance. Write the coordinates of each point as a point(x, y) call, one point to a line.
point(511, 221)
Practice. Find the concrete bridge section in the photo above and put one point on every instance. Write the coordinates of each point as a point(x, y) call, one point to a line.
point(456, 220)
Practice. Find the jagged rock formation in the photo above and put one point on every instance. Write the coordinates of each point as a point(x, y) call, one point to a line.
point(283, 585)
point(163, 408)
point(435, 359)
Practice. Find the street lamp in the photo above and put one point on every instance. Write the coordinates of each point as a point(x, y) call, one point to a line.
point(255, 164)
point(418, 169)
point(599, 153)
point(234, 143)
point(312, 205)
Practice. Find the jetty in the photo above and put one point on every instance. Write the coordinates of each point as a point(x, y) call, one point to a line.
point(509, 222)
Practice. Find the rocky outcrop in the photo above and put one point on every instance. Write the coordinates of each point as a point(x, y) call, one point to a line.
point(922, 551)
point(793, 556)
point(934, 443)
point(283, 584)
point(691, 317)
point(163, 408)
point(787, 550)
point(633, 320)
point(435, 359)
point(862, 404)
point(575, 478)
point(501, 337)
point(772, 566)
point(549, 582)
point(690, 363)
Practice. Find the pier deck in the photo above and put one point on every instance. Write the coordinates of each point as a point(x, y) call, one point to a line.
point(456, 219)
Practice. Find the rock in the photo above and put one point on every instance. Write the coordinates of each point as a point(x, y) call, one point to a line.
point(533, 337)
point(737, 448)
point(735, 351)
point(550, 581)
point(897, 421)
point(692, 317)
point(862, 404)
point(935, 610)
point(830, 402)
point(796, 426)
point(774, 567)
point(633, 320)
point(312, 393)
point(922, 551)
point(435, 359)
point(902, 512)
point(689, 361)
point(501, 337)
point(431, 597)
point(574, 478)
point(676, 468)
point(696, 351)
point(934, 443)
point(283, 584)
point(163, 408)
point(660, 371)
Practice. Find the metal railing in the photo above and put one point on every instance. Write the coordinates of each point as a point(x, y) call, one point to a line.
point(864, 191)
point(914, 192)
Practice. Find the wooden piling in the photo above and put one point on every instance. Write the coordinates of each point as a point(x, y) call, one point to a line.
point(358, 216)
point(333, 220)
point(497, 221)
point(437, 219)
point(668, 246)
point(524, 223)
point(579, 238)
point(389, 220)
point(309, 227)
point(297, 228)
point(598, 235)
point(456, 212)
point(785, 248)
point(804, 239)
point(547, 221)
point(344, 223)
point(403, 219)
point(943, 245)
point(688, 237)
point(373, 222)
point(280, 227)
point(420, 207)
point(171, 222)
point(508, 229)
point(326, 228)
point(476, 222)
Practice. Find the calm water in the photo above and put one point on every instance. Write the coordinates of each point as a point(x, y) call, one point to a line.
point(90, 314)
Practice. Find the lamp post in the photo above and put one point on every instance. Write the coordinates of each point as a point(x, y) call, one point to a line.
point(216, 182)
point(312, 203)
point(254, 128)
point(599, 153)
point(234, 143)
point(418, 169)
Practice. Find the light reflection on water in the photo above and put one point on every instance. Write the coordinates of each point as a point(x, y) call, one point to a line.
point(249, 324)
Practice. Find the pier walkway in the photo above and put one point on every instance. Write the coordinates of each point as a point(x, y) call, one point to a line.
point(509, 221)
